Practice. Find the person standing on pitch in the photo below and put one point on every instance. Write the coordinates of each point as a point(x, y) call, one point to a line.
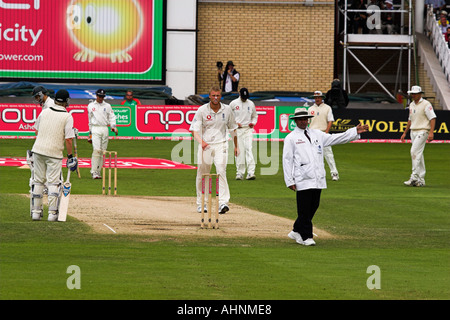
point(421, 121)
point(101, 116)
point(323, 120)
point(40, 95)
point(54, 128)
point(244, 111)
point(304, 169)
point(210, 129)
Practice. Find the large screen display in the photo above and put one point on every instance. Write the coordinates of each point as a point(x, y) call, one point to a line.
point(82, 40)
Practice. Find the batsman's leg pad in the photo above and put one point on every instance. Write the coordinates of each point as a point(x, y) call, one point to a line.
point(54, 193)
point(37, 191)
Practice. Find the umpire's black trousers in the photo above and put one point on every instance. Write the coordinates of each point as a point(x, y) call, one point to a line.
point(307, 204)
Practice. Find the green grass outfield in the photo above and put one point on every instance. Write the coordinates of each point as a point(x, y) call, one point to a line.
point(402, 230)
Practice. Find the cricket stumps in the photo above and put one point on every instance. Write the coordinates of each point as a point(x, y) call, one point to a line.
point(112, 163)
point(209, 177)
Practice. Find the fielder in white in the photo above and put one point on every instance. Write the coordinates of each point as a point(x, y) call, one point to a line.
point(244, 111)
point(54, 128)
point(421, 122)
point(101, 116)
point(210, 129)
point(323, 120)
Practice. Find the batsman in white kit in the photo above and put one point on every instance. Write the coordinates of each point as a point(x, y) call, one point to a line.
point(54, 128)
point(210, 127)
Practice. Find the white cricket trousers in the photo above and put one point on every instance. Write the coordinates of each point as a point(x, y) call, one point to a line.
point(329, 157)
point(100, 138)
point(47, 171)
point(418, 142)
point(245, 141)
point(216, 154)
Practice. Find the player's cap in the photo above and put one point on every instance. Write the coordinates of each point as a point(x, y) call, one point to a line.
point(62, 96)
point(244, 93)
point(415, 89)
point(319, 94)
point(101, 93)
point(300, 113)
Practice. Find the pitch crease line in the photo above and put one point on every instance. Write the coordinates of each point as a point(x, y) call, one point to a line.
point(109, 228)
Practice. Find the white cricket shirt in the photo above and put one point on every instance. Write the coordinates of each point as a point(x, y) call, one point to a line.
point(244, 112)
point(420, 115)
point(322, 115)
point(101, 114)
point(213, 126)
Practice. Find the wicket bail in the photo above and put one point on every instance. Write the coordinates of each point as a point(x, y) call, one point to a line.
point(209, 176)
point(110, 163)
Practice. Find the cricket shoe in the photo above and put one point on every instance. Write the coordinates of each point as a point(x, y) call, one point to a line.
point(334, 176)
point(308, 242)
point(295, 236)
point(223, 208)
point(36, 216)
point(411, 182)
point(239, 176)
point(95, 175)
point(199, 209)
point(52, 216)
point(419, 184)
point(250, 177)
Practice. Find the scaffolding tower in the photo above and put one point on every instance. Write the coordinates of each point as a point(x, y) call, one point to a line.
point(401, 42)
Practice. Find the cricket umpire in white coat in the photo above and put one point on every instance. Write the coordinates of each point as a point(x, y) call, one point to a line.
point(304, 170)
point(54, 128)
point(101, 116)
point(210, 127)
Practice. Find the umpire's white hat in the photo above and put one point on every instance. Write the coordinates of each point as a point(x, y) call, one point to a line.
point(300, 113)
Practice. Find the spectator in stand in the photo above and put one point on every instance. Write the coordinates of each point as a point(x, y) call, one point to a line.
point(447, 37)
point(130, 100)
point(358, 19)
point(443, 22)
point(387, 18)
point(438, 5)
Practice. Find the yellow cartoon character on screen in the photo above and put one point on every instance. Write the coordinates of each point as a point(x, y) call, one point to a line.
point(104, 28)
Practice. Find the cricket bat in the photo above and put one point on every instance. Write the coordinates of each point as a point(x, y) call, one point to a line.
point(65, 197)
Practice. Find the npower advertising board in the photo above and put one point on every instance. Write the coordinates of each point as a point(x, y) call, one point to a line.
point(83, 40)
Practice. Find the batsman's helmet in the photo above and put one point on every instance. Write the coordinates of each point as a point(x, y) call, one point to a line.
point(38, 93)
point(62, 96)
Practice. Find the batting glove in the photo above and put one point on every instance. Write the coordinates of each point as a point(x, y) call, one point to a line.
point(72, 162)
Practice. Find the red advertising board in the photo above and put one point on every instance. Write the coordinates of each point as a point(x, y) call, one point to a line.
point(140, 121)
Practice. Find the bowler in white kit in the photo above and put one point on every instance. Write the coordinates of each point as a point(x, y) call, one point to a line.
point(210, 127)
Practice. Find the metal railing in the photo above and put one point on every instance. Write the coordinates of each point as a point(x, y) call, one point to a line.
point(438, 42)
